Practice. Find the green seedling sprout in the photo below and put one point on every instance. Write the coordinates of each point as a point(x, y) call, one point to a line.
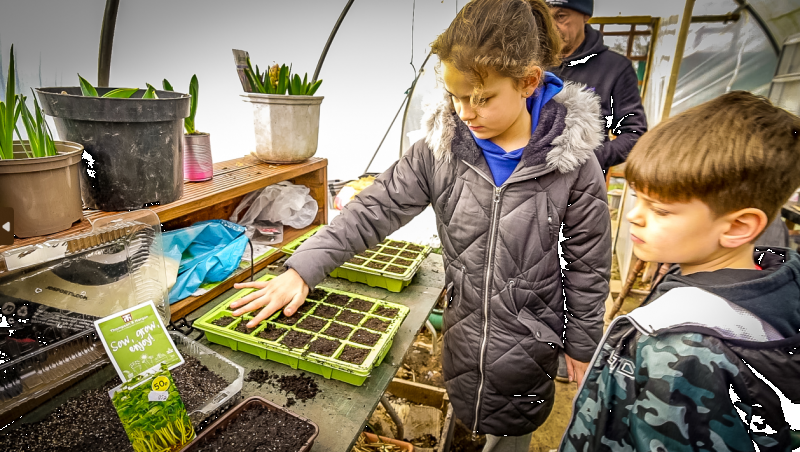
point(40, 138)
point(188, 123)
point(9, 113)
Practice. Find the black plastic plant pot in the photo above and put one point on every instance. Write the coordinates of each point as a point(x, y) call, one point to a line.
point(133, 155)
point(213, 431)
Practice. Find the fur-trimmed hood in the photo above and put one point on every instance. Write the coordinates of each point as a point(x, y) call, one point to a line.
point(569, 130)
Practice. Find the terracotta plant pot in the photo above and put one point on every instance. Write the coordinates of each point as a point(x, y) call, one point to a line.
point(44, 192)
point(372, 438)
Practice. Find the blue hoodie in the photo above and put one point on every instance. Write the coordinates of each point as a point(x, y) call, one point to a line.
point(503, 163)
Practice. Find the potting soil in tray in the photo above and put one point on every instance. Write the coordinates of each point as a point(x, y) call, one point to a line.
point(89, 422)
point(391, 264)
point(305, 339)
point(258, 428)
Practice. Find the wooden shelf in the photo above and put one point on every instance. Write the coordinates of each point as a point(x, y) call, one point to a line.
point(232, 180)
point(217, 199)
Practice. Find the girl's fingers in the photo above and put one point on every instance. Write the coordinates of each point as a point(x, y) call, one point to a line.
point(265, 292)
point(270, 309)
point(295, 304)
point(246, 285)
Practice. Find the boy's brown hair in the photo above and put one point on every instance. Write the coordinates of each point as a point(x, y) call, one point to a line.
point(511, 37)
point(733, 152)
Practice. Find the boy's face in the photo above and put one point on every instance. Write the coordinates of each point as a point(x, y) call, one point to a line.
point(503, 109)
point(677, 233)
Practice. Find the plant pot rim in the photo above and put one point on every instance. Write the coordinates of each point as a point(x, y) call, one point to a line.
point(197, 134)
point(258, 98)
point(57, 91)
point(70, 154)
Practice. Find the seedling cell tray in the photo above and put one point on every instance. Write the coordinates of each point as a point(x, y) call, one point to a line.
point(341, 316)
point(212, 432)
point(390, 265)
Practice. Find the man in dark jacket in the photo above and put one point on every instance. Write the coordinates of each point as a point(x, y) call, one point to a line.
point(587, 60)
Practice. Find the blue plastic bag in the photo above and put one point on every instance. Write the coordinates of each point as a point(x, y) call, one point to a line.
point(208, 252)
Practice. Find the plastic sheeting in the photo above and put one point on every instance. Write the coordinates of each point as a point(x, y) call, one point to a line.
point(723, 57)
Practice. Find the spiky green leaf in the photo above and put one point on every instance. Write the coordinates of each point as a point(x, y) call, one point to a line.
point(120, 93)
point(166, 85)
point(150, 93)
point(86, 88)
point(314, 87)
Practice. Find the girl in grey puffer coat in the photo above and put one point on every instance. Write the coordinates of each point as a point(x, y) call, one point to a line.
point(510, 306)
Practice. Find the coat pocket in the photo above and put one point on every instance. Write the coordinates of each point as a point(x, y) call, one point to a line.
point(547, 342)
point(546, 222)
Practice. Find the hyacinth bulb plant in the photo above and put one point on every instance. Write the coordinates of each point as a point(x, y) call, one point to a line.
point(279, 80)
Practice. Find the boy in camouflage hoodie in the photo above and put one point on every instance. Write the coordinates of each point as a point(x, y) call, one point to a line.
point(710, 362)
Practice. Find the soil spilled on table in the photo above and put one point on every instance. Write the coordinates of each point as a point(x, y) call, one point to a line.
point(260, 428)
point(300, 387)
point(89, 422)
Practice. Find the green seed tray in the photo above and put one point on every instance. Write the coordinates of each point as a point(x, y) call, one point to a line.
point(387, 254)
point(301, 358)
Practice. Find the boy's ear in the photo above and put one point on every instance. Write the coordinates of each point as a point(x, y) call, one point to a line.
point(744, 227)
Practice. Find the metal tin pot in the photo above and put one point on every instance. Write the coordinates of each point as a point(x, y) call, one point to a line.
point(198, 165)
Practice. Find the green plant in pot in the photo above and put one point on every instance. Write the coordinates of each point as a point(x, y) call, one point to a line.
point(197, 162)
point(38, 176)
point(129, 135)
point(285, 113)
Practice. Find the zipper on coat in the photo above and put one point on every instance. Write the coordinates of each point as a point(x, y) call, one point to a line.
point(498, 193)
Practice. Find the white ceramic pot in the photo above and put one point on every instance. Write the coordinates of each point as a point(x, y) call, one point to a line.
point(286, 127)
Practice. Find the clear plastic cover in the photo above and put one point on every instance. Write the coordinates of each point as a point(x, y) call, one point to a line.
point(51, 293)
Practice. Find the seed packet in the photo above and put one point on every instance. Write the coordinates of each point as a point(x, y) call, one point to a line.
point(152, 412)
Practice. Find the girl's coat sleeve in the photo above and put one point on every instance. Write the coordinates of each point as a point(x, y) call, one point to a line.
point(396, 196)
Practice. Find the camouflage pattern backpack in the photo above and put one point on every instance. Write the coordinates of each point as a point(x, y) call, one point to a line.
point(690, 371)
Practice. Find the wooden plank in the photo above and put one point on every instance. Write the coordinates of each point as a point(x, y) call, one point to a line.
point(418, 393)
point(232, 179)
point(184, 307)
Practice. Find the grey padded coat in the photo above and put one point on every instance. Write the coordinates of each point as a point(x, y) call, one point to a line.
point(506, 314)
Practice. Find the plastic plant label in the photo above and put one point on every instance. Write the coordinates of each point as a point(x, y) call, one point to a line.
point(136, 340)
point(153, 420)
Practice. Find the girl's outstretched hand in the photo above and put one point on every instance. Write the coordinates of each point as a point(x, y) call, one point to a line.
point(287, 290)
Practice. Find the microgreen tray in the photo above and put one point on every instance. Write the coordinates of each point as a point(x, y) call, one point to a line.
point(322, 310)
point(391, 264)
